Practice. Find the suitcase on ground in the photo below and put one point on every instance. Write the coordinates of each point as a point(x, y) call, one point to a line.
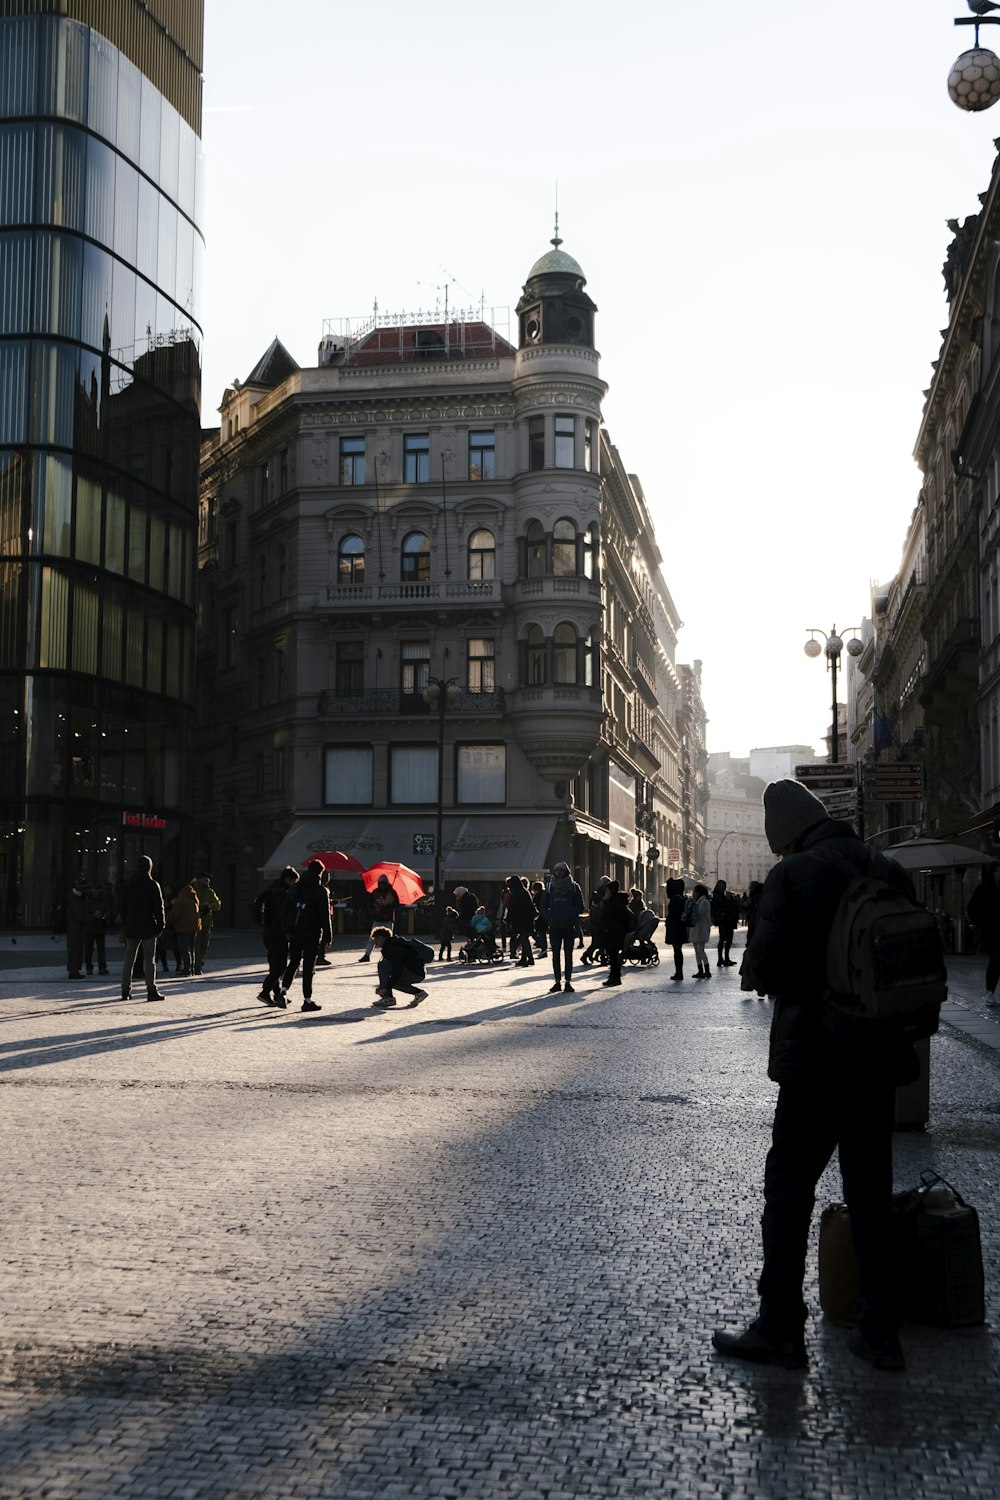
point(838, 1267)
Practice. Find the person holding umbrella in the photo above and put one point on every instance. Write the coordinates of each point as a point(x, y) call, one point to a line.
point(385, 904)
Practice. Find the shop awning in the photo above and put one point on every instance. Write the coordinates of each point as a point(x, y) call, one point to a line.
point(483, 848)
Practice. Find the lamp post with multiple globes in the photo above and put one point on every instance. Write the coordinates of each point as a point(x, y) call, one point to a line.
point(832, 647)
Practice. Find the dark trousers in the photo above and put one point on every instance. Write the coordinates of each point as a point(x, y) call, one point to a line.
point(74, 951)
point(276, 944)
point(302, 950)
point(405, 980)
point(523, 940)
point(561, 940)
point(614, 963)
point(725, 942)
point(91, 941)
point(678, 957)
point(992, 965)
point(134, 948)
point(813, 1117)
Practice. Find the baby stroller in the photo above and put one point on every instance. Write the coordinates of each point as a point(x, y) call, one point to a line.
point(639, 947)
point(480, 948)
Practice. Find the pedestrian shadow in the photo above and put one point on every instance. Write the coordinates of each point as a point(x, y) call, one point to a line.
point(525, 1007)
point(47, 1051)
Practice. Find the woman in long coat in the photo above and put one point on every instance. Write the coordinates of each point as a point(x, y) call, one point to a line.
point(701, 929)
point(183, 917)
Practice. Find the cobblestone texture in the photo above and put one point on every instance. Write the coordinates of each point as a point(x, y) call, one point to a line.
point(471, 1249)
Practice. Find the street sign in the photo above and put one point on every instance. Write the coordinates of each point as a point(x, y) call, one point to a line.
point(673, 856)
point(835, 802)
point(901, 781)
point(423, 843)
point(826, 778)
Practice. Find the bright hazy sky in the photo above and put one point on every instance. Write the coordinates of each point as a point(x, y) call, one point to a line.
point(757, 191)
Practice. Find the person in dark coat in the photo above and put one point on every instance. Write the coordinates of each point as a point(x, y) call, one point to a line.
point(596, 908)
point(307, 923)
point(725, 916)
point(521, 916)
point(143, 920)
point(754, 892)
point(99, 911)
point(676, 927)
point(837, 1089)
point(561, 904)
point(983, 912)
point(399, 968)
point(385, 905)
point(271, 908)
point(613, 931)
point(76, 926)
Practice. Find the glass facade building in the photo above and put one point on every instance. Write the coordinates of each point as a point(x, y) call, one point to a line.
point(100, 359)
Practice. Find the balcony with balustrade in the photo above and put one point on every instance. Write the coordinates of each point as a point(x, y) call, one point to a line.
point(459, 592)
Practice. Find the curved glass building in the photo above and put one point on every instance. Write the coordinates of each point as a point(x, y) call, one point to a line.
point(100, 357)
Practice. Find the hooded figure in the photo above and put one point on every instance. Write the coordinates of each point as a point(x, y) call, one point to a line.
point(561, 904)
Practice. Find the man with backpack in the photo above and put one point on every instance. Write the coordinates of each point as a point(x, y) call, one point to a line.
point(269, 911)
point(307, 924)
point(838, 1055)
point(400, 964)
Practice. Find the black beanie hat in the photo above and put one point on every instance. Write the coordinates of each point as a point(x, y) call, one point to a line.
point(790, 810)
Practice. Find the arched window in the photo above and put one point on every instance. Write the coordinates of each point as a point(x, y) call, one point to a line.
point(536, 656)
point(564, 654)
point(534, 539)
point(482, 555)
point(416, 558)
point(564, 549)
point(591, 552)
point(351, 562)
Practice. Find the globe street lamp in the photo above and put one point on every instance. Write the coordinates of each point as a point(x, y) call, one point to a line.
point(832, 647)
point(974, 80)
point(441, 693)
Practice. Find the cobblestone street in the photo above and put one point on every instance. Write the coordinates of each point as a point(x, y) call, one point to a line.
point(475, 1248)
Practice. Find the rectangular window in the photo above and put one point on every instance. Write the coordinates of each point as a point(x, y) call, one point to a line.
point(350, 775)
point(414, 666)
point(588, 446)
point(565, 443)
point(482, 773)
point(481, 676)
point(482, 455)
point(352, 460)
point(413, 773)
point(350, 671)
point(416, 458)
point(536, 443)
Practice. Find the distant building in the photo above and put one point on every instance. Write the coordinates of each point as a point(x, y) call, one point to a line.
point(435, 509)
point(736, 848)
point(100, 264)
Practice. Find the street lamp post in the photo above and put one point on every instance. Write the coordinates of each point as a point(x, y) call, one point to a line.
point(441, 693)
point(719, 851)
point(833, 646)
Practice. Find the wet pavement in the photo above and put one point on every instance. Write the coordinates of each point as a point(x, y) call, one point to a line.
point(474, 1248)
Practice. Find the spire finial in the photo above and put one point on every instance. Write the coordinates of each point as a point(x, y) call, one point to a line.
point(556, 241)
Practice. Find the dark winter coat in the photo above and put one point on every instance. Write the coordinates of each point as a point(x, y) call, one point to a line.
point(468, 905)
point(404, 962)
point(272, 909)
point(306, 913)
point(984, 908)
point(676, 928)
point(786, 958)
point(725, 912)
point(561, 904)
point(521, 911)
point(142, 908)
point(614, 923)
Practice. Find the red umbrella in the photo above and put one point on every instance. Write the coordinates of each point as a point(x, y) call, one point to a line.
point(405, 882)
point(336, 859)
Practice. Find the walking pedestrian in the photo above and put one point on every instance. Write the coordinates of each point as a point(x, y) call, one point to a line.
point(983, 912)
point(307, 923)
point(700, 929)
point(448, 923)
point(540, 931)
point(596, 910)
point(270, 909)
point(725, 915)
point(142, 922)
point(521, 915)
point(209, 906)
point(561, 904)
point(385, 905)
point(322, 962)
point(675, 927)
point(613, 931)
point(837, 1081)
point(76, 926)
point(184, 918)
point(400, 965)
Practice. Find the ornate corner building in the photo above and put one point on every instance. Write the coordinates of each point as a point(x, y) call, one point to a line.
point(100, 358)
point(432, 607)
